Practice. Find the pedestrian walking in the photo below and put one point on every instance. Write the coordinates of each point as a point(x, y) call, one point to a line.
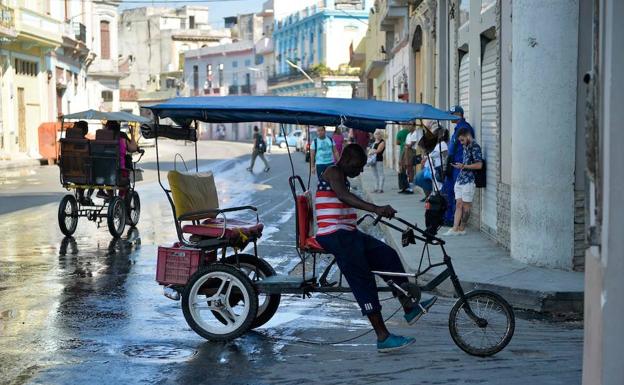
point(269, 139)
point(378, 150)
point(455, 155)
point(322, 152)
point(464, 188)
point(338, 139)
point(400, 141)
point(259, 147)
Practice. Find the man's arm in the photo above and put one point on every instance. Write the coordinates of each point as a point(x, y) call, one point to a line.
point(312, 157)
point(336, 178)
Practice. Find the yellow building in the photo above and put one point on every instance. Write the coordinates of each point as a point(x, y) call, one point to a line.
point(27, 35)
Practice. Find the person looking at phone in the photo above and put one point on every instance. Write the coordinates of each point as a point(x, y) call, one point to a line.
point(357, 253)
point(465, 185)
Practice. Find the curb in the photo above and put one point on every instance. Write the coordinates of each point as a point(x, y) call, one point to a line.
point(17, 164)
point(557, 304)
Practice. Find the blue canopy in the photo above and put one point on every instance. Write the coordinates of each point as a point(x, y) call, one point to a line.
point(364, 114)
point(119, 116)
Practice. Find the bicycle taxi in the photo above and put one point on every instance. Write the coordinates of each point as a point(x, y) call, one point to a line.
point(88, 165)
point(226, 292)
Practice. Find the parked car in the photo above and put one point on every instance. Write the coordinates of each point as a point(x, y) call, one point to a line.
point(291, 138)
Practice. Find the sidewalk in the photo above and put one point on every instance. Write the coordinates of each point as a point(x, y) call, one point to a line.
point(14, 164)
point(481, 263)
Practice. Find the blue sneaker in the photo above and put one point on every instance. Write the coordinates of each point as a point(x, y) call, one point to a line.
point(394, 343)
point(417, 312)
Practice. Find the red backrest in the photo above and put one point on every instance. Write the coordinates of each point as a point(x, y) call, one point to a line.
point(305, 216)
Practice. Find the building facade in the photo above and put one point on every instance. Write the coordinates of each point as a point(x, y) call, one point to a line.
point(152, 45)
point(473, 53)
point(28, 36)
point(317, 40)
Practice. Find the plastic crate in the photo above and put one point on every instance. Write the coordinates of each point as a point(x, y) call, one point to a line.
point(176, 264)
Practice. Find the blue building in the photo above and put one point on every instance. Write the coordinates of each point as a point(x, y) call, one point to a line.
point(317, 39)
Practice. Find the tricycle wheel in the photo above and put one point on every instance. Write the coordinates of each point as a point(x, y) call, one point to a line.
point(133, 207)
point(210, 290)
point(257, 269)
point(490, 332)
point(116, 217)
point(68, 215)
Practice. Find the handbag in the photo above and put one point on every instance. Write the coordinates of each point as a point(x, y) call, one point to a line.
point(371, 160)
point(427, 173)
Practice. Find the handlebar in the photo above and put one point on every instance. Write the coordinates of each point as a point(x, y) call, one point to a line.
point(424, 235)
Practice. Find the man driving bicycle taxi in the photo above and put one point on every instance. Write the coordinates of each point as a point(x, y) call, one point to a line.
point(358, 254)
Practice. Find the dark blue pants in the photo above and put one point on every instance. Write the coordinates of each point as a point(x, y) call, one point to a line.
point(320, 168)
point(449, 191)
point(357, 254)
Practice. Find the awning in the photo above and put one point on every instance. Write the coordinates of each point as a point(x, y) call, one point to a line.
point(119, 116)
point(362, 114)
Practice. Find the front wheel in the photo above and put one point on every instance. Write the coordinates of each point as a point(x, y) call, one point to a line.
point(482, 323)
point(116, 216)
point(219, 293)
point(282, 145)
point(68, 215)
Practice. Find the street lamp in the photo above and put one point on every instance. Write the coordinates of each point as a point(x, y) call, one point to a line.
point(298, 68)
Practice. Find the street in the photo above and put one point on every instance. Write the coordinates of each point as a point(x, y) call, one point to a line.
point(88, 310)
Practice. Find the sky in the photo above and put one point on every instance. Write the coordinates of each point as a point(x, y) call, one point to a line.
point(218, 9)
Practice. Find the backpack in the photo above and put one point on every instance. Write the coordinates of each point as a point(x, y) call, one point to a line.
point(480, 176)
point(260, 145)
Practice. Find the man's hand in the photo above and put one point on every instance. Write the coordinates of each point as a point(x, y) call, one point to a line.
point(459, 166)
point(385, 211)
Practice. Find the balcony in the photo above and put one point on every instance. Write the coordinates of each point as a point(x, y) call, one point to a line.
point(246, 89)
point(390, 11)
point(233, 90)
point(7, 22)
point(38, 29)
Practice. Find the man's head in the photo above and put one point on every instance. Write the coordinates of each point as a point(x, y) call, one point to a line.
point(83, 126)
point(457, 111)
point(256, 129)
point(464, 136)
point(113, 125)
point(321, 132)
point(411, 128)
point(352, 160)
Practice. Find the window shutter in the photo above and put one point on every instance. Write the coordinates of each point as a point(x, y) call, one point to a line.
point(104, 40)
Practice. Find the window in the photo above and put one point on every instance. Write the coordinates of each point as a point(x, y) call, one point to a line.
point(170, 83)
point(209, 75)
point(26, 67)
point(247, 62)
point(221, 75)
point(105, 39)
point(107, 96)
point(235, 79)
point(75, 84)
point(192, 22)
point(195, 78)
point(234, 64)
point(464, 12)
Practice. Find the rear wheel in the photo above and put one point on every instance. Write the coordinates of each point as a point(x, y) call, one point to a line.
point(257, 269)
point(116, 217)
point(133, 207)
point(282, 145)
point(68, 215)
point(212, 290)
point(491, 332)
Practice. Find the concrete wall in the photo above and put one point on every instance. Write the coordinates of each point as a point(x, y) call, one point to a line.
point(542, 177)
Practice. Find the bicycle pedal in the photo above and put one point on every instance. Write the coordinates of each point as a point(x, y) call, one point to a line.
point(423, 309)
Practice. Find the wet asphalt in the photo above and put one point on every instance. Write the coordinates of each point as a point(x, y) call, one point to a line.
point(86, 309)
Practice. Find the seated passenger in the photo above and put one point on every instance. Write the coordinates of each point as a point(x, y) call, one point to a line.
point(358, 254)
point(83, 127)
point(126, 146)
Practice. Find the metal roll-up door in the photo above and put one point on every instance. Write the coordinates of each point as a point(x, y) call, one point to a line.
point(464, 84)
point(489, 138)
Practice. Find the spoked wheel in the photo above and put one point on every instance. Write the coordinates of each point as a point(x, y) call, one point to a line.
point(210, 291)
point(68, 215)
point(116, 217)
point(488, 329)
point(257, 269)
point(133, 207)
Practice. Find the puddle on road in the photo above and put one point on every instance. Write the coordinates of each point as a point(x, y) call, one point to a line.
point(159, 353)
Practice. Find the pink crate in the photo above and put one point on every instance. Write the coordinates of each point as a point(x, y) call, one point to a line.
point(176, 264)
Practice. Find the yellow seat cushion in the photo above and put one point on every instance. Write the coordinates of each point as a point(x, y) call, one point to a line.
point(193, 192)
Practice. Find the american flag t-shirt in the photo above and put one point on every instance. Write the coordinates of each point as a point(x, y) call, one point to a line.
point(332, 214)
